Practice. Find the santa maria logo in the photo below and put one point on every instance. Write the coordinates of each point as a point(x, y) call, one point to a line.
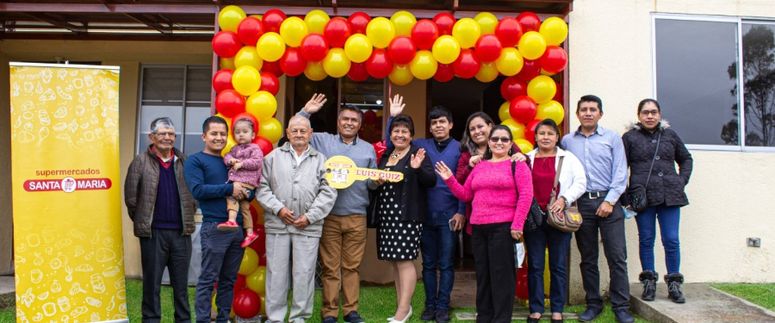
point(67, 184)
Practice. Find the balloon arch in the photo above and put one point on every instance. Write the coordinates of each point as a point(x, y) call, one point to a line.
point(254, 51)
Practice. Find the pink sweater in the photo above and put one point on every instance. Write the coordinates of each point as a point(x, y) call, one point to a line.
point(252, 159)
point(492, 194)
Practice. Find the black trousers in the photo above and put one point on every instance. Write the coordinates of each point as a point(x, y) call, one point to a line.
point(170, 249)
point(493, 250)
point(611, 229)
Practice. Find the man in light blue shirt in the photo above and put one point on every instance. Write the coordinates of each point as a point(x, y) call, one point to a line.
point(602, 153)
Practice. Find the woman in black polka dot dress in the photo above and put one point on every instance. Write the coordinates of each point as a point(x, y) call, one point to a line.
point(397, 210)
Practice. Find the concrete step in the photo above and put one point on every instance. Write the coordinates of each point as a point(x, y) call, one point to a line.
point(703, 304)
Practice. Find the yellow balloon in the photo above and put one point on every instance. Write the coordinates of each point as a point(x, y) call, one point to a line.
point(401, 75)
point(551, 110)
point(503, 111)
point(446, 49)
point(248, 56)
point(256, 281)
point(261, 105)
point(541, 89)
point(316, 21)
point(358, 48)
point(336, 64)
point(517, 129)
point(532, 45)
point(467, 32)
point(380, 32)
point(230, 17)
point(554, 30)
point(487, 22)
point(524, 145)
point(227, 63)
point(270, 46)
point(246, 80)
point(510, 62)
point(487, 73)
point(403, 21)
point(314, 71)
point(271, 129)
point(423, 66)
point(293, 30)
point(249, 262)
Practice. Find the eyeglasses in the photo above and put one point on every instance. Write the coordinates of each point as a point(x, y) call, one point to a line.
point(164, 134)
point(501, 139)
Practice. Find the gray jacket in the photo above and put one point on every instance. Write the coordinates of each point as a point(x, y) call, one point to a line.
point(301, 188)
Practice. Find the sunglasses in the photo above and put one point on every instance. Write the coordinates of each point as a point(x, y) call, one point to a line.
point(501, 139)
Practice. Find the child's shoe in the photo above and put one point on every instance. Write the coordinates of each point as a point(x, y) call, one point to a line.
point(228, 226)
point(249, 239)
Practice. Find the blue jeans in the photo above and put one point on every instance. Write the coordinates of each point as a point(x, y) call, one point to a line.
point(669, 218)
point(221, 258)
point(438, 247)
point(559, 249)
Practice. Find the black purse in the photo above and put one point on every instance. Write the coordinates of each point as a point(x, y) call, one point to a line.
point(636, 194)
point(535, 216)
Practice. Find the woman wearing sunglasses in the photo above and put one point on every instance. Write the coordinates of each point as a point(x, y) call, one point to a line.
point(500, 197)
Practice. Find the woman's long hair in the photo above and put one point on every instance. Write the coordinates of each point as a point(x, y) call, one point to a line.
point(488, 152)
point(466, 144)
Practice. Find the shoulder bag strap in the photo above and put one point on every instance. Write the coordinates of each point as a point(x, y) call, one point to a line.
point(556, 180)
point(653, 159)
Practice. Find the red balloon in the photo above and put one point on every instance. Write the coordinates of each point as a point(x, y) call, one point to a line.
point(529, 21)
point(245, 115)
point(445, 21)
point(246, 303)
point(358, 72)
point(513, 87)
point(530, 69)
point(358, 21)
point(229, 103)
point(272, 20)
point(240, 283)
point(424, 34)
point(222, 80)
point(336, 32)
point(250, 30)
point(313, 47)
point(292, 63)
point(269, 83)
point(467, 65)
point(266, 145)
point(508, 31)
point(488, 48)
point(259, 245)
point(554, 59)
point(444, 73)
point(523, 109)
point(401, 50)
point(530, 131)
point(379, 65)
point(226, 44)
point(272, 67)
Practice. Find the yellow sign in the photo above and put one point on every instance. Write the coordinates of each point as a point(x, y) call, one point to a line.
point(66, 198)
point(341, 172)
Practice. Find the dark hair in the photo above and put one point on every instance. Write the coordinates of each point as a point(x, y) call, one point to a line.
point(488, 152)
point(246, 120)
point(590, 98)
point(644, 101)
point(466, 144)
point(213, 119)
point(550, 123)
point(403, 120)
point(348, 107)
point(440, 111)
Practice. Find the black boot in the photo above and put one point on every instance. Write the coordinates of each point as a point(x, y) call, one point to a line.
point(649, 280)
point(674, 282)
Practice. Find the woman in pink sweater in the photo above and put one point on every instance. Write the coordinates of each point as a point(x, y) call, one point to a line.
point(500, 192)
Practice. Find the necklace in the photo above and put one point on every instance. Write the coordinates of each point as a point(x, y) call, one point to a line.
point(396, 154)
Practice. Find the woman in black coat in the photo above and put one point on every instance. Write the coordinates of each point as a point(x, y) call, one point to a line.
point(652, 141)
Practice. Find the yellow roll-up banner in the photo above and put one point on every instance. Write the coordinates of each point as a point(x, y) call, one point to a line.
point(66, 193)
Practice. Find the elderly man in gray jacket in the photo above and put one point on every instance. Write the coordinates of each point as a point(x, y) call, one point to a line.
point(296, 199)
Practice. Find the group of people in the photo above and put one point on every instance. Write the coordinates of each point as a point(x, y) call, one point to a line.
point(481, 183)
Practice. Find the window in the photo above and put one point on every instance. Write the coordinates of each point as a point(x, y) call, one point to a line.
point(701, 63)
point(179, 92)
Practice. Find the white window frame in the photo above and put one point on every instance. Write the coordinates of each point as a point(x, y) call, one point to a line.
point(741, 146)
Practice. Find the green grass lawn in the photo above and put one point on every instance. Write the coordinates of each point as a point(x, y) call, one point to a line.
point(760, 294)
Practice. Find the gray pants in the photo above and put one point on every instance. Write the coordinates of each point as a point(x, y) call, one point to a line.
point(304, 252)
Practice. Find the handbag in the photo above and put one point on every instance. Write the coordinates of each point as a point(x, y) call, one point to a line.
point(568, 220)
point(636, 194)
point(535, 216)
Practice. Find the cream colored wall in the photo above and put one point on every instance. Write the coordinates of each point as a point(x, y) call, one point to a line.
point(129, 55)
point(610, 46)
